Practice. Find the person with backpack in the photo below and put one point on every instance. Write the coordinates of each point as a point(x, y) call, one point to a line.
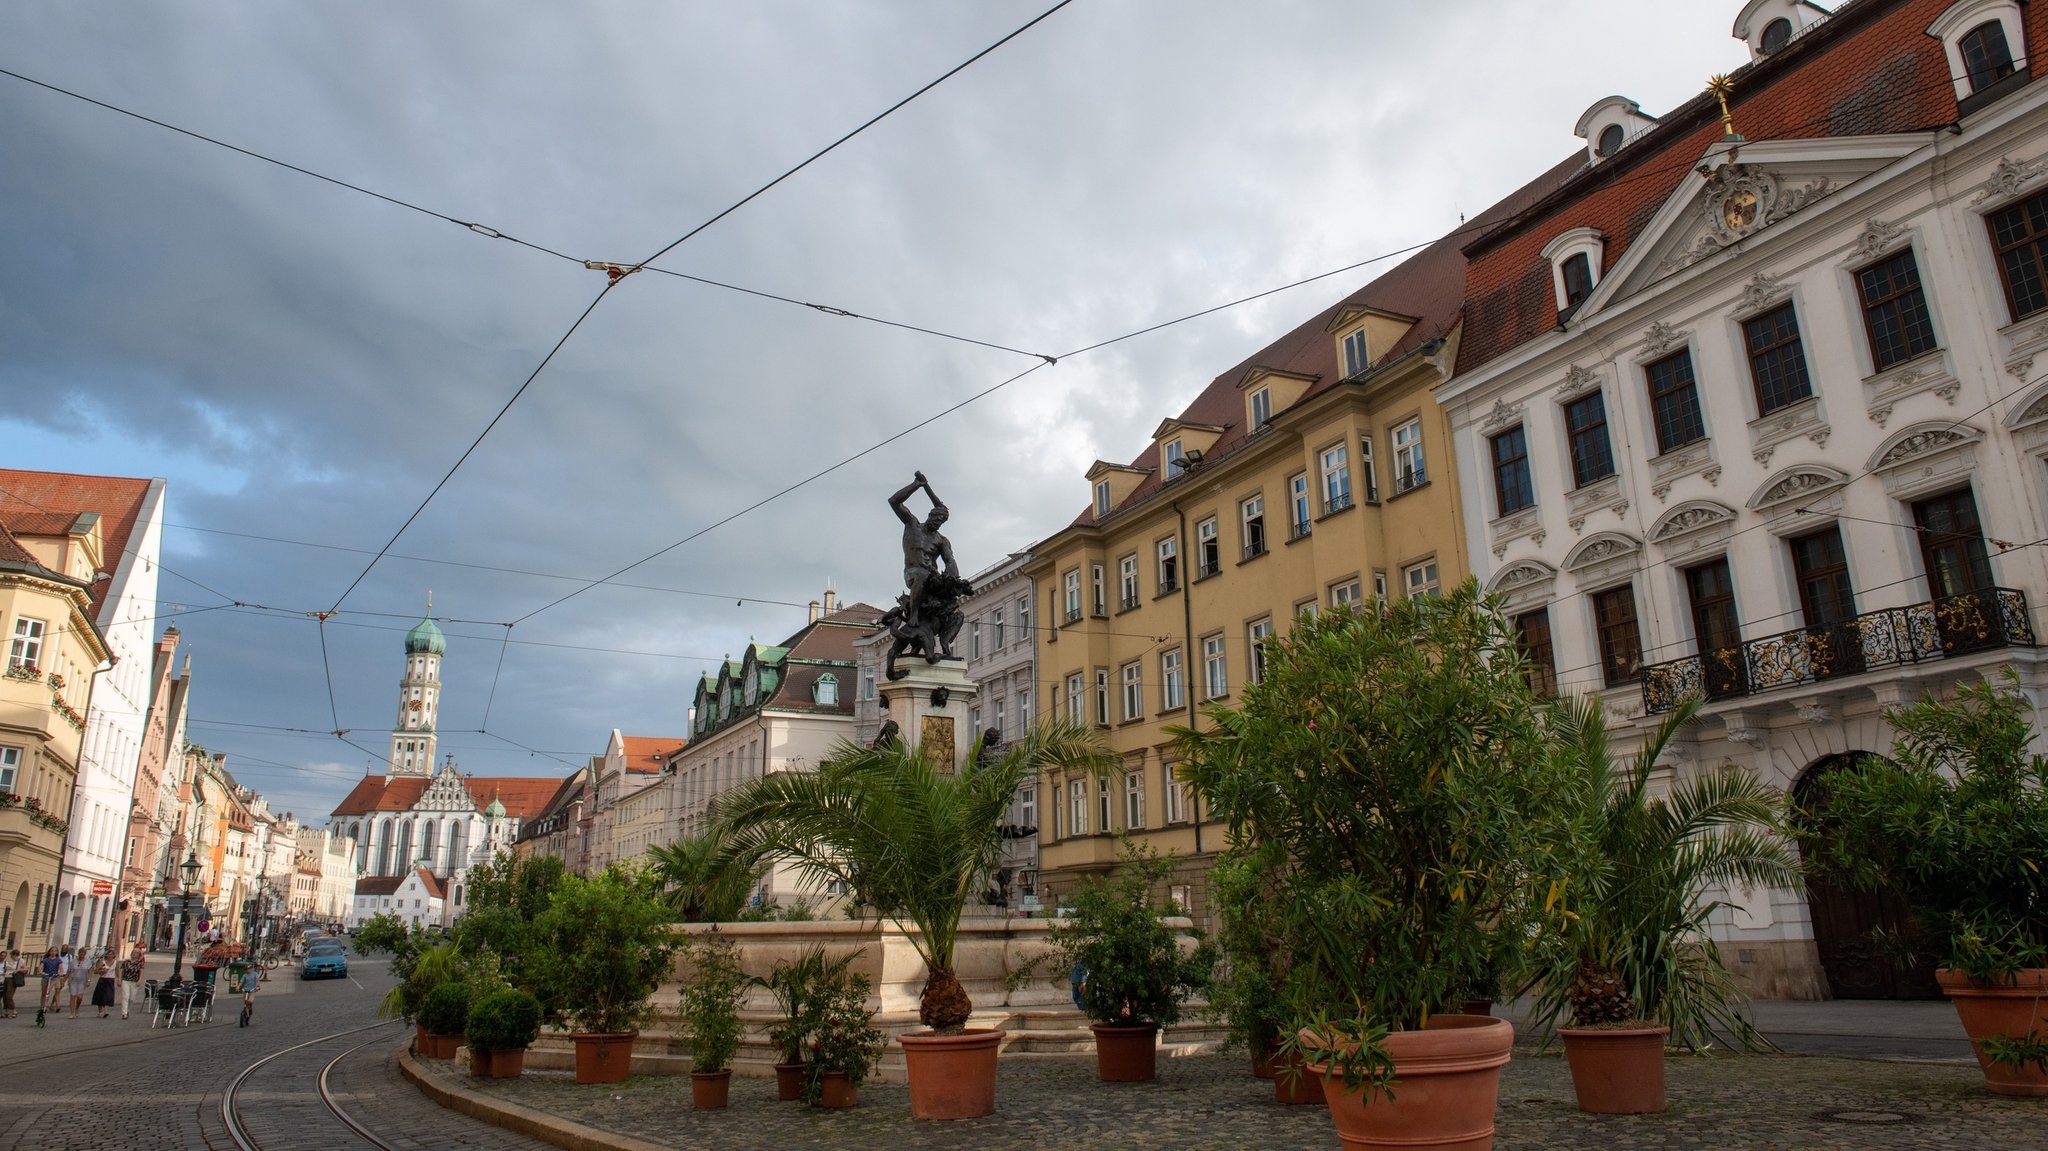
point(53, 976)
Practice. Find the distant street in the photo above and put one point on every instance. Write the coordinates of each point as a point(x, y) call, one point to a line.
point(108, 1084)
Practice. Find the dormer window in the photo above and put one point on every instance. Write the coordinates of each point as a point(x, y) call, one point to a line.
point(1356, 359)
point(1609, 125)
point(1611, 139)
point(1777, 34)
point(1171, 456)
point(1575, 268)
point(1261, 408)
point(826, 692)
point(1768, 25)
point(1101, 499)
point(1984, 41)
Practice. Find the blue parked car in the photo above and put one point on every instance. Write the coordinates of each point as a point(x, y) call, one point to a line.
point(324, 960)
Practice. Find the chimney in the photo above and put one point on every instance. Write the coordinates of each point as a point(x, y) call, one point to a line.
point(814, 611)
point(831, 600)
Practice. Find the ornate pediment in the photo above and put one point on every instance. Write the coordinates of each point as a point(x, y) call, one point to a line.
point(1577, 382)
point(1604, 548)
point(1503, 415)
point(1739, 200)
point(1797, 483)
point(1521, 575)
point(2007, 180)
point(1686, 518)
point(1917, 443)
point(1761, 292)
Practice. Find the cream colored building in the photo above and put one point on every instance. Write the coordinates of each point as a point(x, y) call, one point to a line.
point(54, 649)
point(1317, 473)
point(631, 808)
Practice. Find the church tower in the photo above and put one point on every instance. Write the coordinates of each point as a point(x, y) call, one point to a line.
point(419, 698)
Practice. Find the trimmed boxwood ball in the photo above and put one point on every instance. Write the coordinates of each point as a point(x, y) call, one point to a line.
point(503, 1021)
point(445, 1009)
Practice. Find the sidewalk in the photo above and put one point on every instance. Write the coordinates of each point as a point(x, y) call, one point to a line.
point(1915, 1030)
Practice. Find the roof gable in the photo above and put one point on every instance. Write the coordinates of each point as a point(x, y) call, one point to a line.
point(119, 501)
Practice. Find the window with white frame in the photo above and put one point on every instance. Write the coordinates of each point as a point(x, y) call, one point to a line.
point(1171, 456)
point(1574, 267)
point(1252, 514)
point(1168, 550)
point(1027, 805)
point(1102, 499)
point(1023, 707)
point(1261, 408)
point(1176, 797)
point(1410, 470)
point(1102, 696)
point(867, 682)
point(996, 636)
point(1420, 579)
point(10, 762)
point(826, 693)
point(1103, 804)
point(1077, 803)
point(1127, 583)
point(1024, 619)
point(1076, 705)
point(1335, 465)
point(1208, 549)
point(1298, 513)
point(1100, 584)
point(997, 726)
point(1172, 691)
point(1356, 358)
point(1345, 594)
point(27, 648)
point(1259, 632)
point(1379, 585)
point(1134, 691)
point(1134, 799)
point(1366, 471)
point(974, 640)
point(1984, 40)
point(1215, 668)
point(1072, 580)
point(1182, 896)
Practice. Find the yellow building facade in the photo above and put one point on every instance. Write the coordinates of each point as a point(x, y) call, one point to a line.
point(1315, 474)
point(53, 653)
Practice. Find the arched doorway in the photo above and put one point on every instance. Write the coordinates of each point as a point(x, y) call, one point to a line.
point(1847, 924)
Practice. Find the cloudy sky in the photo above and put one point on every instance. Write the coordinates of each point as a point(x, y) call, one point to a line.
point(304, 362)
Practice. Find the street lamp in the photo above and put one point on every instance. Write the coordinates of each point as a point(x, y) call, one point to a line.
point(191, 869)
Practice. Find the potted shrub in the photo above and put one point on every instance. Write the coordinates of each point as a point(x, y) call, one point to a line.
point(711, 1006)
point(1957, 822)
point(1137, 977)
point(845, 1046)
point(1633, 961)
point(798, 988)
point(1395, 759)
point(501, 1026)
point(1246, 991)
point(602, 947)
point(913, 838)
point(441, 1018)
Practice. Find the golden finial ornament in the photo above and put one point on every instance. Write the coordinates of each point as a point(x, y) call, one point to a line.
point(1722, 87)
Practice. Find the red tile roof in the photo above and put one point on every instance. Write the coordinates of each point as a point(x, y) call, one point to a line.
point(51, 495)
point(1870, 69)
point(432, 883)
point(378, 884)
point(1429, 285)
point(645, 754)
point(12, 552)
point(523, 796)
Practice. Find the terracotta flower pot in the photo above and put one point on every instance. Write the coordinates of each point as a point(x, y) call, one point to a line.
point(1263, 1056)
point(509, 1063)
point(419, 1041)
point(604, 1057)
point(1295, 1083)
point(789, 1081)
point(836, 1090)
point(1990, 1009)
point(1478, 1007)
point(443, 1046)
point(1449, 1085)
point(709, 1090)
point(1126, 1054)
point(479, 1064)
point(951, 1076)
point(1617, 1071)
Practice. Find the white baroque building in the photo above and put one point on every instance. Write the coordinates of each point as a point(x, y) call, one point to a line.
point(1755, 407)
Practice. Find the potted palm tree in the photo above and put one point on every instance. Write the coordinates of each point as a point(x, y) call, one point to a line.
point(913, 838)
point(1137, 977)
point(845, 1045)
point(603, 946)
point(501, 1026)
point(1395, 760)
point(711, 1006)
point(698, 882)
point(1957, 822)
point(1633, 962)
point(799, 989)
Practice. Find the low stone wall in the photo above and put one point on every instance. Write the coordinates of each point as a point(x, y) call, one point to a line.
point(1007, 966)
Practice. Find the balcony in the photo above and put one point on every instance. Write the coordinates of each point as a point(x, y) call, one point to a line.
point(1169, 585)
point(1893, 637)
point(1255, 546)
point(1129, 602)
point(1299, 529)
point(1336, 502)
point(1210, 565)
point(1074, 614)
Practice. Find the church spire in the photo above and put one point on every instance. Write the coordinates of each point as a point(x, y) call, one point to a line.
point(419, 698)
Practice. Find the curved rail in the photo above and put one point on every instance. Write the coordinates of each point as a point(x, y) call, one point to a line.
point(227, 1098)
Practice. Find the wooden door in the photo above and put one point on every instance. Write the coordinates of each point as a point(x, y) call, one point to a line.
point(1847, 924)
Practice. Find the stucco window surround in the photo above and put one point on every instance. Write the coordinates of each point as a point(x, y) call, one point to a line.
point(1880, 241)
point(2028, 424)
point(1586, 242)
point(1526, 522)
point(1800, 500)
point(1609, 125)
point(1955, 24)
point(1768, 26)
point(1523, 585)
point(1926, 458)
point(1606, 491)
point(1696, 458)
point(1604, 560)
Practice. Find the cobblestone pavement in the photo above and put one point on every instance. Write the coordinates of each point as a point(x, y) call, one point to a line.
point(1717, 1101)
point(90, 1084)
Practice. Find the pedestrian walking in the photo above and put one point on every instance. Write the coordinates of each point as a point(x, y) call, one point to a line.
point(131, 978)
point(11, 977)
point(77, 982)
point(252, 977)
point(53, 978)
point(103, 985)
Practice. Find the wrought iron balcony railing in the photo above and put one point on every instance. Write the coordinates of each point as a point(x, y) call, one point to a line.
point(1955, 625)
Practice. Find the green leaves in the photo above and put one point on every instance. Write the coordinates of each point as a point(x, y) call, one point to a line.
point(1137, 973)
point(603, 946)
point(712, 992)
point(701, 883)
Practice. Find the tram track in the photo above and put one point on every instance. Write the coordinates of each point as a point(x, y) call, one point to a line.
point(238, 1129)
